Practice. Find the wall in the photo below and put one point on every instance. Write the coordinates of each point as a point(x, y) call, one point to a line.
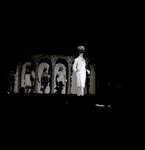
point(53, 59)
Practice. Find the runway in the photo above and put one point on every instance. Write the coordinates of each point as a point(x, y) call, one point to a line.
point(56, 100)
point(57, 112)
point(64, 104)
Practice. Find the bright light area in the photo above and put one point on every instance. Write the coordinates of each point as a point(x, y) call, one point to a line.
point(100, 105)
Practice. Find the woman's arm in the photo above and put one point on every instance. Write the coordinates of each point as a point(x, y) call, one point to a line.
point(65, 78)
point(88, 71)
point(42, 79)
point(56, 79)
point(75, 66)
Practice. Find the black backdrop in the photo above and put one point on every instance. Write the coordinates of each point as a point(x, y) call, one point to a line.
point(104, 35)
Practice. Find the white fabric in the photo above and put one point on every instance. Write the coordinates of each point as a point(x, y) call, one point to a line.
point(80, 68)
point(61, 76)
point(80, 79)
point(27, 80)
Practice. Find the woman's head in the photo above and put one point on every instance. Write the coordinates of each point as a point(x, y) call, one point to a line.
point(27, 68)
point(81, 50)
point(60, 69)
point(81, 54)
point(45, 69)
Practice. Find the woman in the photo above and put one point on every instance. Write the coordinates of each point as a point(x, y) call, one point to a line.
point(27, 80)
point(33, 80)
point(80, 68)
point(44, 80)
point(60, 80)
point(60, 76)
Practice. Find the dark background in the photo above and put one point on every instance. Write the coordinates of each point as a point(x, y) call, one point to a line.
point(104, 40)
point(59, 29)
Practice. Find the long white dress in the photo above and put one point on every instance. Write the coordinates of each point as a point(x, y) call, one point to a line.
point(80, 65)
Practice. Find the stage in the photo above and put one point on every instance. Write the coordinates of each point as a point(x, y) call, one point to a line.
point(64, 104)
point(59, 112)
point(62, 99)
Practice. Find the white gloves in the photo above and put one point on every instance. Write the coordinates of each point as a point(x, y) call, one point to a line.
point(88, 71)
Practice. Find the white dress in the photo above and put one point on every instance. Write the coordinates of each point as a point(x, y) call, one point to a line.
point(27, 80)
point(61, 77)
point(80, 65)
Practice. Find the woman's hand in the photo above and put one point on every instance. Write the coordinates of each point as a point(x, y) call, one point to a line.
point(88, 71)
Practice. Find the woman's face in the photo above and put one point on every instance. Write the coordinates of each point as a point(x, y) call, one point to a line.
point(45, 69)
point(28, 69)
point(81, 54)
point(61, 69)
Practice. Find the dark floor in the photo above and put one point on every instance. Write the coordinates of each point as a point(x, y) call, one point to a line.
point(56, 105)
point(69, 114)
point(47, 100)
